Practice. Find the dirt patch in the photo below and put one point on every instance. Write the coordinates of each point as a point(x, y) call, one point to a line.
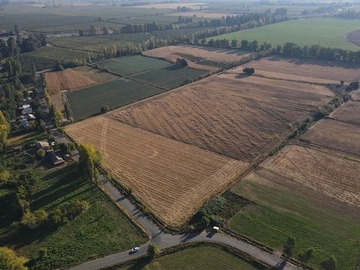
point(96, 75)
point(348, 112)
point(322, 172)
point(334, 134)
point(237, 119)
point(355, 95)
point(214, 54)
point(306, 70)
point(173, 179)
point(354, 37)
point(66, 80)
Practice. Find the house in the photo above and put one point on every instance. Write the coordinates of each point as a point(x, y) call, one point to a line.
point(43, 145)
point(54, 158)
point(30, 116)
point(26, 111)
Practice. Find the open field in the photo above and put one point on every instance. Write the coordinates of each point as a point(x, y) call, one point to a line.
point(200, 258)
point(131, 65)
point(328, 32)
point(193, 6)
point(88, 101)
point(174, 179)
point(170, 77)
point(335, 135)
point(227, 116)
point(215, 54)
point(354, 37)
point(283, 207)
point(323, 172)
point(348, 112)
point(97, 43)
point(100, 231)
point(297, 69)
point(67, 79)
point(355, 95)
point(96, 75)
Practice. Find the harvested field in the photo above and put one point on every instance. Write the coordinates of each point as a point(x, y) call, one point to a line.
point(216, 54)
point(348, 112)
point(354, 37)
point(355, 95)
point(334, 134)
point(174, 179)
point(306, 70)
point(287, 88)
point(66, 80)
point(96, 75)
point(323, 172)
point(193, 6)
point(222, 115)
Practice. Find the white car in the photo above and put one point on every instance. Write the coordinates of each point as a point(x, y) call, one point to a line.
point(135, 249)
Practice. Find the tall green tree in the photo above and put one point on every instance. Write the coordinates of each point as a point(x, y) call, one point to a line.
point(88, 160)
point(10, 261)
point(4, 131)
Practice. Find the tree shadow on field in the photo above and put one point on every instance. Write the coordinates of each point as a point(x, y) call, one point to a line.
point(141, 263)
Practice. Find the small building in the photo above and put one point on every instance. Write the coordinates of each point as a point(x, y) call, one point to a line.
point(54, 158)
point(25, 106)
point(43, 145)
point(216, 228)
point(30, 116)
point(26, 111)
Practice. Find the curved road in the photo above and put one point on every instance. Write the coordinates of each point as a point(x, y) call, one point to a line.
point(164, 240)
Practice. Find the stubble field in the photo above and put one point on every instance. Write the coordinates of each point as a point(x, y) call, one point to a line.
point(305, 70)
point(335, 135)
point(215, 54)
point(349, 112)
point(238, 119)
point(174, 179)
point(66, 80)
point(321, 171)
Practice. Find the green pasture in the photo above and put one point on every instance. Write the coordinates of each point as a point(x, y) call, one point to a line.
point(279, 212)
point(88, 101)
point(131, 65)
point(170, 77)
point(100, 231)
point(200, 258)
point(328, 32)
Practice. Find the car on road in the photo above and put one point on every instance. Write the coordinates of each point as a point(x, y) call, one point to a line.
point(135, 249)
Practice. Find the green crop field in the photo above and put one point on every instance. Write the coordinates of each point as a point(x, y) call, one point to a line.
point(100, 231)
point(131, 65)
point(97, 43)
point(88, 101)
point(47, 57)
point(327, 32)
point(200, 258)
point(280, 211)
point(170, 77)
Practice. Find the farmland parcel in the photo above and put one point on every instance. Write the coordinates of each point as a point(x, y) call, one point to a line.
point(242, 120)
point(88, 101)
point(327, 32)
point(174, 179)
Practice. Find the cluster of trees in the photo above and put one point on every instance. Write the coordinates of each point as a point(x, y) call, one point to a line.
point(89, 159)
point(4, 131)
point(14, 46)
point(10, 261)
point(11, 93)
point(349, 14)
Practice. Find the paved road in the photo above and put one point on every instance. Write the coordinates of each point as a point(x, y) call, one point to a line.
point(164, 240)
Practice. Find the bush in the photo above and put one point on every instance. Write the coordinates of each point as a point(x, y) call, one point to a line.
point(329, 264)
point(68, 211)
point(153, 251)
point(307, 255)
point(40, 153)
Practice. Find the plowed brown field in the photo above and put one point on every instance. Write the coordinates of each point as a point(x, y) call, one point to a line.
point(306, 70)
point(238, 119)
point(336, 135)
point(66, 80)
point(323, 172)
point(348, 112)
point(173, 179)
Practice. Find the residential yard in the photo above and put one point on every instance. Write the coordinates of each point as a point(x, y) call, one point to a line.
point(100, 231)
